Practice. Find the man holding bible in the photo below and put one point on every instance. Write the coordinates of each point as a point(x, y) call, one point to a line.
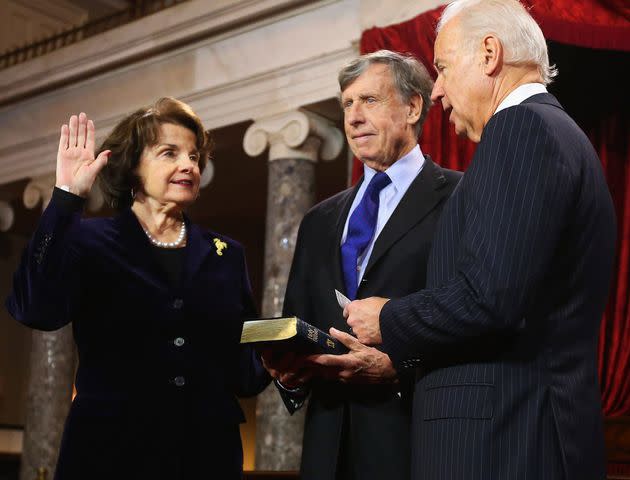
point(372, 239)
point(518, 277)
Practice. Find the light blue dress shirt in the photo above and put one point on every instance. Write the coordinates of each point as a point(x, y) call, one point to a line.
point(402, 173)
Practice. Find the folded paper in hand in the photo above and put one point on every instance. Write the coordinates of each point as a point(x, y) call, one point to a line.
point(342, 300)
point(291, 334)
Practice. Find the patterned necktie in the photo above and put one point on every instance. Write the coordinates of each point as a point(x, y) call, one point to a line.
point(360, 231)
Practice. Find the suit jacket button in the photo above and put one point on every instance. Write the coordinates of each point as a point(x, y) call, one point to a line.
point(179, 341)
point(178, 303)
point(179, 381)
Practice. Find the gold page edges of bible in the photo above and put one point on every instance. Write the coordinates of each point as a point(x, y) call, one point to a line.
point(290, 333)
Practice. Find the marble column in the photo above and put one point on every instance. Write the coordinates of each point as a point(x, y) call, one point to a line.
point(49, 395)
point(296, 140)
point(52, 365)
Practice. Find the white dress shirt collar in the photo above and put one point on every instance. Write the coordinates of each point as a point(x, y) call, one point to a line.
point(521, 93)
point(402, 172)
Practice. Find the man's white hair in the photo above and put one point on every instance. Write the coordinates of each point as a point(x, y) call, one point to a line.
point(522, 39)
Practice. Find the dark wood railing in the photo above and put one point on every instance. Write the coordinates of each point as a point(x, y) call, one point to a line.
point(270, 475)
point(140, 9)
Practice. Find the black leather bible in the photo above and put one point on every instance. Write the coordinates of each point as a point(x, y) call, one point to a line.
point(290, 334)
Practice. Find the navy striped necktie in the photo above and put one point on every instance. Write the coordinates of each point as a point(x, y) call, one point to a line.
point(361, 228)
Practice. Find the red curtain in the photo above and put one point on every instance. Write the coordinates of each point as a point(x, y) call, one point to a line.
point(611, 137)
point(416, 37)
point(589, 23)
point(603, 24)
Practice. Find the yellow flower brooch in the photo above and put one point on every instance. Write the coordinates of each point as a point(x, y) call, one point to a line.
point(220, 246)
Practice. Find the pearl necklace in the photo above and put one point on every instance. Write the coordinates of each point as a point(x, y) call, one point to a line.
point(175, 244)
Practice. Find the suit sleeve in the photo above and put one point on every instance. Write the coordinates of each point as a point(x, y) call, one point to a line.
point(46, 283)
point(252, 378)
point(515, 196)
point(296, 303)
point(296, 298)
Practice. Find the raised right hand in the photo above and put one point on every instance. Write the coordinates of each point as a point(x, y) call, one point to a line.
point(76, 165)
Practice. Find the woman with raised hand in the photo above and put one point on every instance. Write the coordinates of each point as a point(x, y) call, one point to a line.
point(156, 304)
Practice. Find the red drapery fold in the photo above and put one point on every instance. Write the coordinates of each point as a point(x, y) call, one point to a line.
point(603, 24)
point(611, 138)
point(416, 37)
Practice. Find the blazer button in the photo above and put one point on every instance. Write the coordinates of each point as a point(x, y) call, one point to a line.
point(179, 381)
point(179, 341)
point(178, 303)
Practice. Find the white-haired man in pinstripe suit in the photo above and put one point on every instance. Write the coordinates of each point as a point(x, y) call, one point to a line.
point(504, 337)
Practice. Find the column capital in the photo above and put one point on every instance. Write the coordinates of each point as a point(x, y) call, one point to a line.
point(7, 215)
point(295, 134)
point(207, 175)
point(38, 188)
point(41, 188)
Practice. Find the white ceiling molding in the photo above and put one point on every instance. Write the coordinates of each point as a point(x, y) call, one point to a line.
point(271, 93)
point(260, 96)
point(283, 62)
point(136, 40)
point(379, 13)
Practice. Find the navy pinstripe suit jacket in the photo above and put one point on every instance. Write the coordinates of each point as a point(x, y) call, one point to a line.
point(507, 328)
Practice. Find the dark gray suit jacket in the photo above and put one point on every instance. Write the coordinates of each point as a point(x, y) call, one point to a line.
point(508, 327)
point(377, 418)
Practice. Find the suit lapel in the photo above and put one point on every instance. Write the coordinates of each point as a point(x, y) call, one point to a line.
point(141, 258)
point(198, 247)
point(423, 195)
point(341, 214)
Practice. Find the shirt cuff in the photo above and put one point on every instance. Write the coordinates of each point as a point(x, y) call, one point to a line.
point(66, 201)
point(294, 391)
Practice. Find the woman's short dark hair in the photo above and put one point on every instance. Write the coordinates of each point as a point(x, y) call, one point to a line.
point(132, 135)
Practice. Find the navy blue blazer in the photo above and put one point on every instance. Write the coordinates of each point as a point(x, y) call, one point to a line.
point(507, 328)
point(151, 356)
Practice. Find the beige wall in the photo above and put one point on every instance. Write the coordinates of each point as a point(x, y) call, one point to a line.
point(248, 432)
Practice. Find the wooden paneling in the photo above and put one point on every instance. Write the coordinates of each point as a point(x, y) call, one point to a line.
point(270, 476)
point(617, 433)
